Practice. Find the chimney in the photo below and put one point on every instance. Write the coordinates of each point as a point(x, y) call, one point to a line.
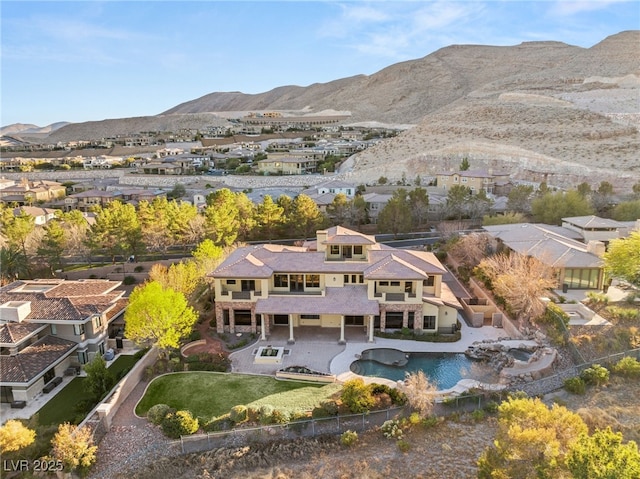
point(596, 247)
point(321, 238)
point(15, 311)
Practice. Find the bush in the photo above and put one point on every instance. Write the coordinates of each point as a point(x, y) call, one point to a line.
point(575, 385)
point(195, 335)
point(266, 414)
point(628, 367)
point(138, 269)
point(391, 429)
point(221, 423)
point(139, 354)
point(319, 413)
point(180, 423)
point(491, 407)
point(349, 438)
point(157, 413)
point(331, 407)
point(596, 375)
point(430, 421)
point(280, 417)
point(357, 396)
point(129, 280)
point(415, 419)
point(403, 445)
point(238, 414)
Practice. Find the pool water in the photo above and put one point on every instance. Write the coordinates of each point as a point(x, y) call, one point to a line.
point(445, 369)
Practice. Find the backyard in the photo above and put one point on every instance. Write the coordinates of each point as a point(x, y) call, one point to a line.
point(210, 394)
point(64, 406)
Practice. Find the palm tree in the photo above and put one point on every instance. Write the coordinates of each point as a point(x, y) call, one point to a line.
point(13, 265)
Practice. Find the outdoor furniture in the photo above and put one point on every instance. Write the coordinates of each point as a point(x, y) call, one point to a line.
point(52, 384)
point(18, 404)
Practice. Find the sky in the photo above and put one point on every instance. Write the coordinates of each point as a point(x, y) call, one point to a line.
point(90, 60)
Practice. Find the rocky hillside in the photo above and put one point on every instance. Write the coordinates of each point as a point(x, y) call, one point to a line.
point(538, 109)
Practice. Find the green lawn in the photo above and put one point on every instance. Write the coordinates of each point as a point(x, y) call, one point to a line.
point(62, 407)
point(209, 395)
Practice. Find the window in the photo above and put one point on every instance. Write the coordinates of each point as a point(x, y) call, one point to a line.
point(312, 280)
point(335, 249)
point(384, 283)
point(429, 281)
point(309, 316)
point(281, 280)
point(408, 286)
point(78, 329)
point(242, 317)
point(97, 321)
point(410, 318)
point(101, 348)
point(360, 278)
point(347, 251)
point(429, 322)
point(357, 250)
point(395, 283)
point(82, 357)
point(354, 320)
point(54, 329)
point(464, 180)
point(248, 285)
point(231, 281)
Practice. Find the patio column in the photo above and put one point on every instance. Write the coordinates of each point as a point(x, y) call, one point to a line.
point(342, 340)
point(291, 338)
point(371, 328)
point(263, 329)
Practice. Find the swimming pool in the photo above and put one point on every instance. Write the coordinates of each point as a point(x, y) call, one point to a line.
point(445, 369)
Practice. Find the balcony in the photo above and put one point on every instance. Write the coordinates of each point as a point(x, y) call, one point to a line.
point(395, 297)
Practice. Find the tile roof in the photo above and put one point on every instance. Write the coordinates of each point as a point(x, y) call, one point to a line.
point(34, 359)
point(13, 333)
point(341, 235)
point(348, 300)
point(589, 222)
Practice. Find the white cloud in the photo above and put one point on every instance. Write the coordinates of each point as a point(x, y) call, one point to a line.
point(568, 8)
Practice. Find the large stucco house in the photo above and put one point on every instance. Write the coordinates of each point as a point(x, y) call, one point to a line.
point(343, 279)
point(48, 326)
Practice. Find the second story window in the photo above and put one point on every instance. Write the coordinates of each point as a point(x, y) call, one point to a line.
point(335, 249)
point(78, 329)
point(357, 250)
point(311, 280)
point(281, 280)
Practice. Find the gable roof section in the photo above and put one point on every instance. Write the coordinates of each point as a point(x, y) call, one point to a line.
point(341, 235)
point(34, 359)
point(12, 334)
point(593, 222)
point(393, 267)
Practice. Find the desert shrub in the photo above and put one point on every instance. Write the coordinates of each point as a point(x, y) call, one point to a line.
point(624, 314)
point(628, 367)
point(575, 385)
point(157, 413)
point(478, 415)
point(430, 421)
point(491, 407)
point(238, 414)
point(415, 419)
point(129, 280)
point(319, 413)
point(356, 395)
point(266, 414)
point(596, 375)
point(349, 438)
point(179, 423)
point(330, 406)
point(391, 429)
point(403, 445)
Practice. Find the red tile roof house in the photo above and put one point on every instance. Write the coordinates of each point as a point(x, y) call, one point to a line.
point(343, 279)
point(48, 326)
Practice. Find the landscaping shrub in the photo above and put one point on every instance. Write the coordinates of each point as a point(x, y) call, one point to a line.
point(430, 421)
point(331, 407)
point(478, 415)
point(139, 354)
point(596, 375)
point(403, 445)
point(391, 429)
point(195, 335)
point(157, 413)
point(319, 413)
point(357, 396)
point(129, 280)
point(628, 367)
point(575, 385)
point(138, 269)
point(349, 438)
point(415, 419)
point(491, 407)
point(180, 423)
point(221, 423)
point(238, 414)
point(266, 413)
point(280, 417)
point(208, 362)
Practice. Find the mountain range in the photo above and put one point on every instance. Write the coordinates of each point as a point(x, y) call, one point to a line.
point(534, 109)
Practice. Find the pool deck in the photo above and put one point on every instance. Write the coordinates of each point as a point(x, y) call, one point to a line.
point(318, 349)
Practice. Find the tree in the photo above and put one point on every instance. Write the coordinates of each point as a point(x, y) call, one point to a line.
point(99, 380)
point(479, 205)
point(13, 265)
point(269, 216)
point(184, 277)
point(338, 210)
point(159, 316)
point(14, 436)
point(603, 456)
point(532, 441)
point(207, 255)
point(584, 189)
point(520, 280)
point(420, 392)
point(601, 198)
point(464, 165)
point(395, 217)
point(17, 230)
point(551, 207)
point(358, 211)
point(519, 199)
point(306, 218)
point(470, 250)
point(222, 217)
point(419, 202)
point(506, 219)
point(626, 211)
point(246, 216)
point(53, 244)
point(622, 259)
point(74, 447)
point(117, 230)
point(458, 198)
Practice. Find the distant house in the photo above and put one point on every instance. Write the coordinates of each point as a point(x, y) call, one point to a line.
point(476, 180)
point(48, 326)
point(86, 199)
point(594, 228)
point(577, 265)
point(41, 215)
point(337, 187)
point(184, 164)
point(343, 279)
point(288, 166)
point(375, 203)
point(29, 192)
